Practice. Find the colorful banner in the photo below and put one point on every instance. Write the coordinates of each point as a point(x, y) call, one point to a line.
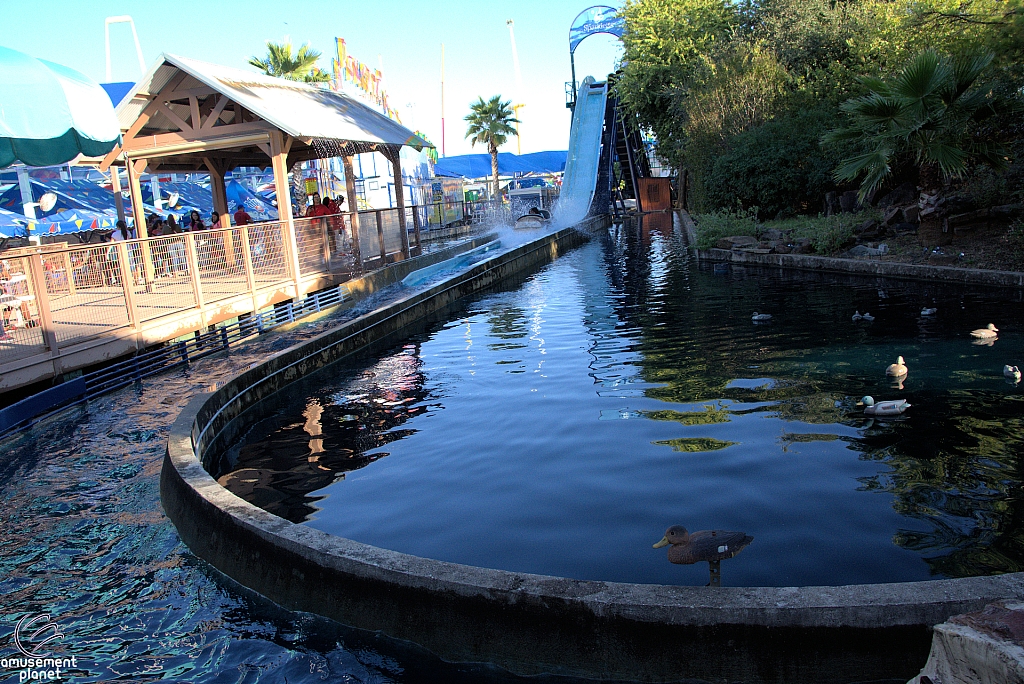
point(598, 19)
point(370, 81)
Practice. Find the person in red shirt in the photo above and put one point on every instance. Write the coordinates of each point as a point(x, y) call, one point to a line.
point(242, 217)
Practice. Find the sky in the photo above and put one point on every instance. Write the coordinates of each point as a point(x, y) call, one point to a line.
point(402, 36)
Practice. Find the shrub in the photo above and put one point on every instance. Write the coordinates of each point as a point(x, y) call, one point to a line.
point(713, 226)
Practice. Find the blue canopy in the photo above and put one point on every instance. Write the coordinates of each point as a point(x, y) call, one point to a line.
point(51, 113)
point(479, 165)
point(257, 207)
point(11, 224)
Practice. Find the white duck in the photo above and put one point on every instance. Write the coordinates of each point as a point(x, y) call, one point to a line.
point(1011, 373)
point(857, 315)
point(761, 317)
point(929, 311)
point(898, 369)
point(987, 332)
point(883, 408)
point(868, 317)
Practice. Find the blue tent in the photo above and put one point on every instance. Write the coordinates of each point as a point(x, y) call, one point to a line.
point(479, 165)
point(546, 162)
point(257, 207)
point(11, 224)
point(72, 221)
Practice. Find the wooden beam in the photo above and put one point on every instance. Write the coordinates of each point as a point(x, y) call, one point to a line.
point(115, 187)
point(211, 120)
point(185, 93)
point(150, 109)
point(137, 147)
point(109, 159)
point(175, 119)
point(193, 103)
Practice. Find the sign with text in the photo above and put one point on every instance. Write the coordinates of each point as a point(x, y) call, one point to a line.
point(597, 19)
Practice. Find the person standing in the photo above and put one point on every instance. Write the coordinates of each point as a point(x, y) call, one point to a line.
point(242, 217)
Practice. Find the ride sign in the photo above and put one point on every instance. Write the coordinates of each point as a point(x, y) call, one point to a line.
point(597, 19)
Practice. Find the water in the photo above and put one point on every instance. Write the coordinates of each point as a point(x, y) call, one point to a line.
point(560, 426)
point(86, 541)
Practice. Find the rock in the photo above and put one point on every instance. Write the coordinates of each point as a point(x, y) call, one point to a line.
point(905, 228)
point(773, 234)
point(1007, 211)
point(802, 246)
point(865, 251)
point(891, 216)
point(783, 249)
point(911, 214)
point(736, 241)
point(905, 193)
point(869, 226)
point(984, 646)
point(831, 203)
point(848, 202)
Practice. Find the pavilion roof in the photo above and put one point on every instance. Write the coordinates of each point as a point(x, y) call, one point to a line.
point(194, 100)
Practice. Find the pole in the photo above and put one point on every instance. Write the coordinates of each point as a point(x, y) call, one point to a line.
point(442, 100)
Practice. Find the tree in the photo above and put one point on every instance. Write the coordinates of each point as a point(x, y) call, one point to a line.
point(927, 115)
point(490, 123)
point(280, 62)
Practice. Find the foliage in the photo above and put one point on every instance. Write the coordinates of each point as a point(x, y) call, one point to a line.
point(713, 226)
point(928, 112)
point(280, 62)
point(828, 234)
point(490, 123)
point(717, 81)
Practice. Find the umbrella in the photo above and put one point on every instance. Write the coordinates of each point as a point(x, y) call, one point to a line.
point(50, 114)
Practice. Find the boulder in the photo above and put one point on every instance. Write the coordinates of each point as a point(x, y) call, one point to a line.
point(736, 241)
point(831, 203)
point(911, 214)
point(802, 246)
point(891, 216)
point(905, 193)
point(869, 226)
point(848, 202)
point(1007, 211)
point(905, 228)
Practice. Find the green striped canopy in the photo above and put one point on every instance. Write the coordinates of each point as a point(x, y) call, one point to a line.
point(49, 114)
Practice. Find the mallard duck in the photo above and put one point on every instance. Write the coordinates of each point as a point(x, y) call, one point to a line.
point(867, 316)
point(897, 369)
point(1012, 373)
point(988, 331)
point(761, 317)
point(883, 408)
point(929, 312)
point(706, 545)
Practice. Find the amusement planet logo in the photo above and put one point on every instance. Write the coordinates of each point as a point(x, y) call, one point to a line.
point(33, 665)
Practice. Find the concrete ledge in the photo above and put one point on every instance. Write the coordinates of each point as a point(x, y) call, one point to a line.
point(891, 269)
point(531, 624)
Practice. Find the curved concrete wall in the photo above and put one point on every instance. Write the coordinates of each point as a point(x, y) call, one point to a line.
point(531, 624)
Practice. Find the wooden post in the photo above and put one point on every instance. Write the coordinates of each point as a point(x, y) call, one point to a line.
point(250, 275)
point(135, 170)
point(416, 227)
point(279, 158)
point(38, 275)
point(127, 281)
point(220, 205)
point(353, 206)
point(115, 187)
point(395, 157)
point(380, 237)
point(193, 268)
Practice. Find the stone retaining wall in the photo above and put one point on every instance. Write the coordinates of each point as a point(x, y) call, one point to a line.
point(531, 624)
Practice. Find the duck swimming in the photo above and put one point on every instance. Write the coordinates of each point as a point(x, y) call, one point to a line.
point(883, 408)
point(706, 545)
point(857, 315)
point(988, 331)
point(761, 317)
point(897, 369)
point(929, 312)
point(1011, 373)
point(867, 317)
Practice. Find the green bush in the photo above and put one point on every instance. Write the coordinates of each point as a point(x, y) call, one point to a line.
point(713, 226)
point(828, 234)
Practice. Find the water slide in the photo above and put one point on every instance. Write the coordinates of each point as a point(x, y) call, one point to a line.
point(581, 166)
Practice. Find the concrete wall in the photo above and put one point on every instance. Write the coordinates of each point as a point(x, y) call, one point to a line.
point(530, 624)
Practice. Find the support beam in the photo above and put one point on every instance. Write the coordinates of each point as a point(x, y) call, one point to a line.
point(353, 206)
point(279, 145)
point(115, 187)
point(394, 155)
point(135, 170)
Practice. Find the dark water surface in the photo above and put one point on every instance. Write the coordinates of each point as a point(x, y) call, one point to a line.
point(85, 541)
point(561, 426)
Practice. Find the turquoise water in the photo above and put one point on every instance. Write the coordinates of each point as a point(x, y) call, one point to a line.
point(559, 427)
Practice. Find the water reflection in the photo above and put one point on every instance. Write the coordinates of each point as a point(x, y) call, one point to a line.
point(343, 426)
point(625, 382)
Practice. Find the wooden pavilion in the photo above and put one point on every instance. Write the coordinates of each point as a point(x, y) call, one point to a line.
point(185, 115)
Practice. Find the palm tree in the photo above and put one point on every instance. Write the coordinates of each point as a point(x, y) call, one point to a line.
point(927, 114)
point(280, 62)
point(490, 123)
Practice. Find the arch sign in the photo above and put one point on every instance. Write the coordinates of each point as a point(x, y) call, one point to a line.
point(598, 19)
